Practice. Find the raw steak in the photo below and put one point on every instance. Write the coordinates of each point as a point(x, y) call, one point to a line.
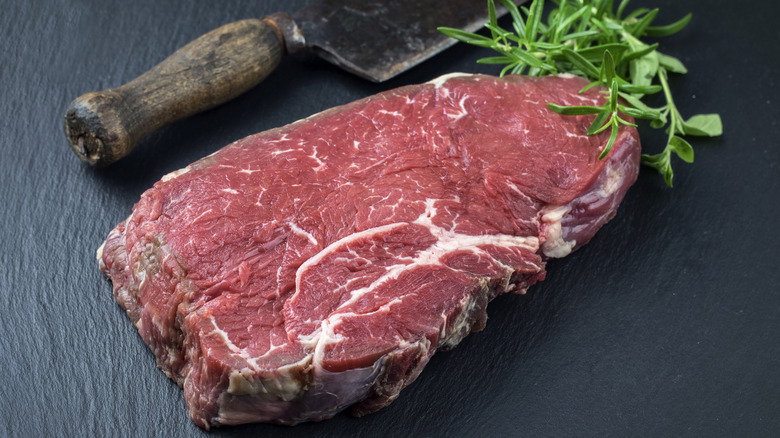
point(318, 266)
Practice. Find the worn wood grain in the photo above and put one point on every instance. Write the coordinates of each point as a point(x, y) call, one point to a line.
point(104, 126)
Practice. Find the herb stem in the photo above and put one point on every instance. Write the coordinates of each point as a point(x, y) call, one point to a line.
point(662, 78)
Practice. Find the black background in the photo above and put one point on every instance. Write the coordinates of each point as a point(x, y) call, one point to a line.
point(666, 324)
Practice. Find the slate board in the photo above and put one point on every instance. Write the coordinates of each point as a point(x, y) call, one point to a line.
point(666, 324)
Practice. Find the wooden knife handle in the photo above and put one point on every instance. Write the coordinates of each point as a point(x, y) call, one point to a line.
point(104, 126)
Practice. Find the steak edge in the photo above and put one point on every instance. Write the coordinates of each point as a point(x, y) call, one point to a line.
point(318, 266)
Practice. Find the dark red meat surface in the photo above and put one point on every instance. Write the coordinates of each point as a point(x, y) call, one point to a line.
point(318, 266)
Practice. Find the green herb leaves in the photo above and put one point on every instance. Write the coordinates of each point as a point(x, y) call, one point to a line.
point(591, 38)
point(700, 125)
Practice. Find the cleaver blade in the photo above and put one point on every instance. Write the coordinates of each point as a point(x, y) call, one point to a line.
point(378, 40)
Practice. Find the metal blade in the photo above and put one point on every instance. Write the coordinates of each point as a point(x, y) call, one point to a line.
point(380, 39)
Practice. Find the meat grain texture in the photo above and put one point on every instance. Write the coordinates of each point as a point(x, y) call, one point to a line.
point(318, 266)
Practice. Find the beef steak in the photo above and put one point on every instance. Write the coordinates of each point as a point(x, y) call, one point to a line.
point(318, 266)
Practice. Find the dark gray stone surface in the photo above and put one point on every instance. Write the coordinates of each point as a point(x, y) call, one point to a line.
point(666, 324)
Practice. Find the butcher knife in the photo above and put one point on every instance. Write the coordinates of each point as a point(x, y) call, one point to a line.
point(374, 39)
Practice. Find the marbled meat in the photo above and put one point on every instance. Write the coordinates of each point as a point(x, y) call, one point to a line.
point(318, 266)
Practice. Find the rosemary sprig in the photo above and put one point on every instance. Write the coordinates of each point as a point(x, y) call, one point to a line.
point(591, 38)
